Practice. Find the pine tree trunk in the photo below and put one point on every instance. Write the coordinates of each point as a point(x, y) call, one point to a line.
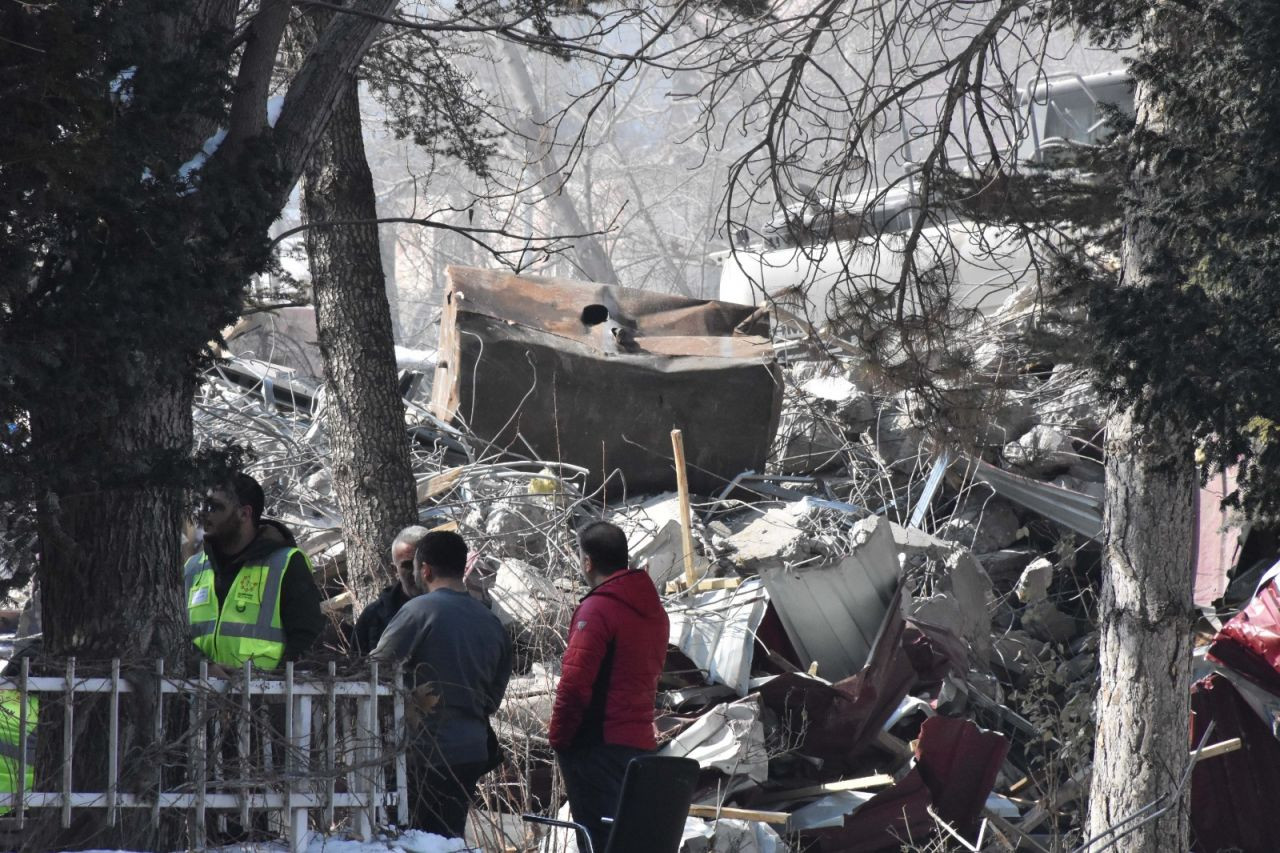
point(110, 579)
point(1143, 704)
point(368, 441)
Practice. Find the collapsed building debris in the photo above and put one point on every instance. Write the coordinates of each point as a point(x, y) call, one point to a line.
point(881, 632)
point(534, 365)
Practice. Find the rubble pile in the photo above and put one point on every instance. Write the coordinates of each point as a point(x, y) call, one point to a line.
point(878, 641)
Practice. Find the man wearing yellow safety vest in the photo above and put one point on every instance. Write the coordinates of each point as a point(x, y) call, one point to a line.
point(250, 594)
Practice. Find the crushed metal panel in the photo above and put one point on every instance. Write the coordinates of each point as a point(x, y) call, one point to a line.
point(956, 767)
point(598, 375)
point(1232, 796)
point(1074, 510)
point(833, 612)
point(717, 630)
point(729, 738)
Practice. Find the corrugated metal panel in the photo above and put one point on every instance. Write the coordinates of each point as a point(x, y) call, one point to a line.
point(833, 612)
point(1075, 510)
point(717, 631)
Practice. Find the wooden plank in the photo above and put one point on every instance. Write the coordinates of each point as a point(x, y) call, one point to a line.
point(862, 783)
point(438, 483)
point(704, 585)
point(727, 813)
point(686, 524)
point(339, 602)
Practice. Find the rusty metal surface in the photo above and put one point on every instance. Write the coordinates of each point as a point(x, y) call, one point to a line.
point(520, 367)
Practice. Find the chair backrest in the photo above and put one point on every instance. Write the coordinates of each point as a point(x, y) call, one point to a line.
point(654, 803)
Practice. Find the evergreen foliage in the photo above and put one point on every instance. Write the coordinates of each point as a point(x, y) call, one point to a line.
point(120, 262)
point(1201, 346)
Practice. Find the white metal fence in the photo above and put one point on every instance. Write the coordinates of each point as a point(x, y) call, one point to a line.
point(331, 755)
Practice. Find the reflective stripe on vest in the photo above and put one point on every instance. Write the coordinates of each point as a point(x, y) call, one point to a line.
point(247, 624)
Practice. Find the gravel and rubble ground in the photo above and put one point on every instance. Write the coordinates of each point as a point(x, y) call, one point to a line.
point(883, 647)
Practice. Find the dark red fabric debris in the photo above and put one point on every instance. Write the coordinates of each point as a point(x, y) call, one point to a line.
point(1250, 642)
point(955, 771)
point(838, 722)
point(1233, 795)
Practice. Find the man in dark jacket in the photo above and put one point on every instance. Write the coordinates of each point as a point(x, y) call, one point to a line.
point(273, 614)
point(457, 656)
point(603, 712)
point(375, 618)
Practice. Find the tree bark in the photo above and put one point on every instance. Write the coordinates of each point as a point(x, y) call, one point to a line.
point(1143, 705)
point(110, 588)
point(368, 442)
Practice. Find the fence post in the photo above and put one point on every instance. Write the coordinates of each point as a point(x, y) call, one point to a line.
point(113, 746)
point(244, 733)
point(68, 740)
point(402, 747)
point(158, 732)
point(23, 698)
point(331, 742)
point(198, 753)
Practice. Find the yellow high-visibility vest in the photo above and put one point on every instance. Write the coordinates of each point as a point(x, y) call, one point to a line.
point(11, 742)
point(248, 626)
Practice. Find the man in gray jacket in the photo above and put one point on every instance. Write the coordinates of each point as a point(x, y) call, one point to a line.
point(457, 659)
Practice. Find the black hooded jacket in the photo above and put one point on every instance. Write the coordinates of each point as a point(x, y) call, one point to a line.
point(375, 618)
point(299, 597)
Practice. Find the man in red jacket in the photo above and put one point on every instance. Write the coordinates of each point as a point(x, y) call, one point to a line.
point(603, 714)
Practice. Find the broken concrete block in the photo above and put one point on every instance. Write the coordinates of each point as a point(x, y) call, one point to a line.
point(774, 539)
point(961, 577)
point(513, 527)
point(1045, 621)
point(855, 408)
point(982, 529)
point(941, 610)
point(1035, 581)
point(1073, 404)
point(531, 603)
point(655, 538)
point(1005, 566)
point(1018, 651)
point(1041, 452)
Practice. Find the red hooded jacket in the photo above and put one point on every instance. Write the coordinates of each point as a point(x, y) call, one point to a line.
point(617, 646)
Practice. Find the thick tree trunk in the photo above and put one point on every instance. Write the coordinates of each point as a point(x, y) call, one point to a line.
point(1143, 703)
point(110, 579)
point(368, 442)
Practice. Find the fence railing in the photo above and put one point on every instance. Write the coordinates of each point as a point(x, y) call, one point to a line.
point(287, 743)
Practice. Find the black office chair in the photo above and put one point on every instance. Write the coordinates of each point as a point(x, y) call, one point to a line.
point(650, 815)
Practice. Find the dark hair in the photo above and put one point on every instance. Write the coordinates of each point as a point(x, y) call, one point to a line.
point(247, 492)
point(606, 545)
point(443, 550)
